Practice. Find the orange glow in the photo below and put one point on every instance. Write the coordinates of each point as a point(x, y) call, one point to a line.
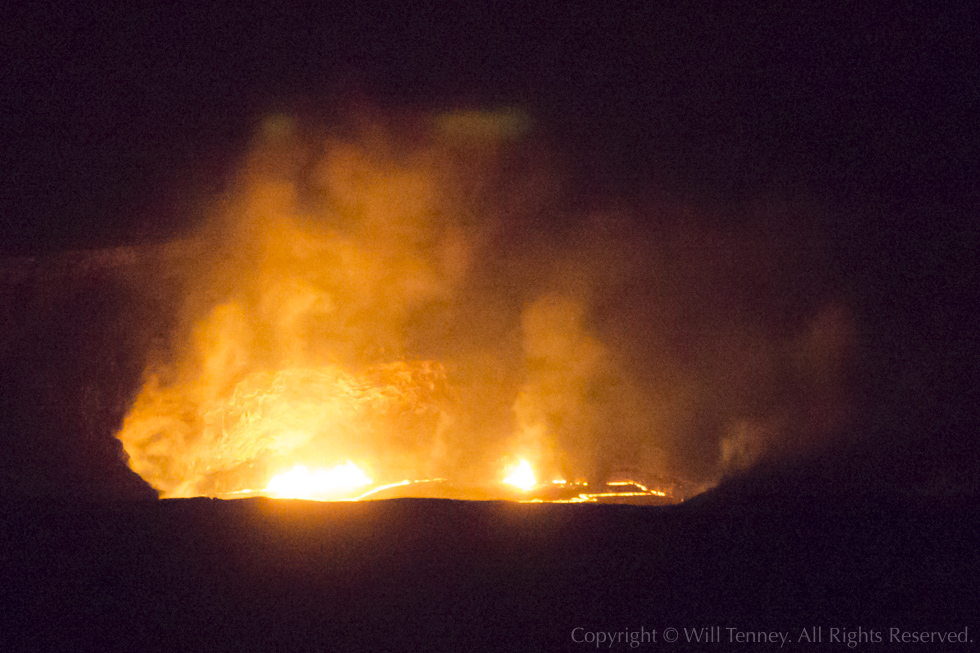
point(618, 492)
point(341, 303)
point(521, 476)
point(320, 484)
point(297, 416)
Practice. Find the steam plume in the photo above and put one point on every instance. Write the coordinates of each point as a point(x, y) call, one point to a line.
point(415, 294)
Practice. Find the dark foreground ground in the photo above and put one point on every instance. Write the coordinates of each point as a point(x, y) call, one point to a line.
point(424, 574)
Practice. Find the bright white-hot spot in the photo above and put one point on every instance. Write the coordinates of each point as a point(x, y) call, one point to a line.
point(521, 476)
point(320, 484)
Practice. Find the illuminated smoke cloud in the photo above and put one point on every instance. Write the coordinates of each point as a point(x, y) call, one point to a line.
point(414, 295)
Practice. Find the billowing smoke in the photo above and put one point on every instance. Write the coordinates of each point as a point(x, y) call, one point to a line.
point(422, 295)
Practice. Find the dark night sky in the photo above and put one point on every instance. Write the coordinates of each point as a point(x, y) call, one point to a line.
point(108, 116)
point(103, 109)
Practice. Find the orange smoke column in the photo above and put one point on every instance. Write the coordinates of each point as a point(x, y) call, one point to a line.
point(415, 294)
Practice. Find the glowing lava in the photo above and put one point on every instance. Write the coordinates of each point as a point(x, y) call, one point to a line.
point(521, 476)
point(321, 484)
